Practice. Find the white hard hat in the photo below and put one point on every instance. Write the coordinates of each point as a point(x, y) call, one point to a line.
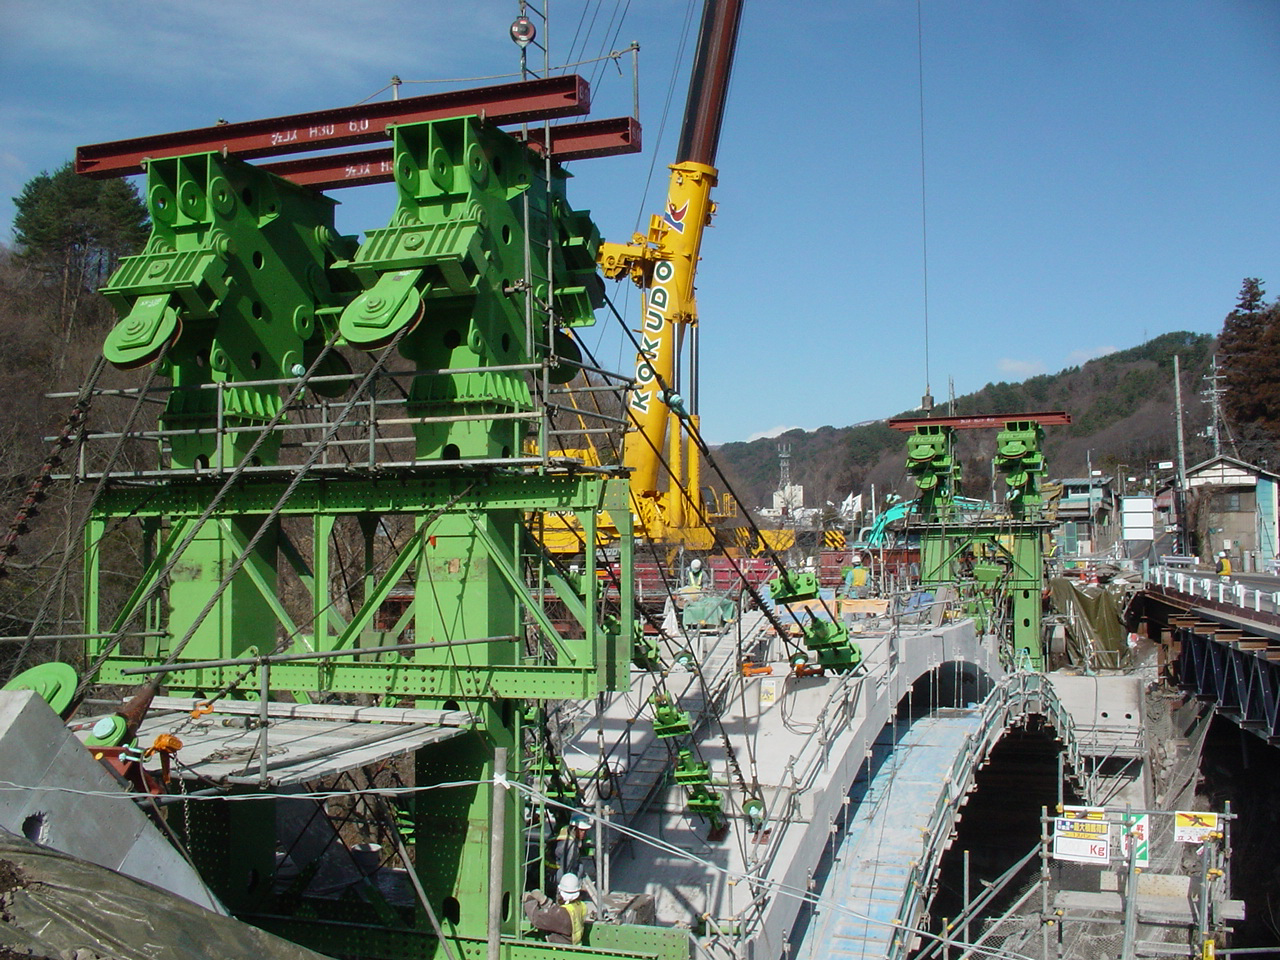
point(581, 822)
point(696, 565)
point(570, 887)
point(1222, 553)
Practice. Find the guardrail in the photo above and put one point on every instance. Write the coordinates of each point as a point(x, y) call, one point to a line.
point(1219, 589)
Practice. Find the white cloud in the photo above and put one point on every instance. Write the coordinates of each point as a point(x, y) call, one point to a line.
point(771, 432)
point(265, 46)
point(1020, 368)
point(88, 71)
point(1077, 357)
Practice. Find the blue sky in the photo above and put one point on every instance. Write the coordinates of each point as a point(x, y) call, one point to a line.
point(1097, 172)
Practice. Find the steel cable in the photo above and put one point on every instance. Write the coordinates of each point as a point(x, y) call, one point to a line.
point(68, 554)
point(158, 582)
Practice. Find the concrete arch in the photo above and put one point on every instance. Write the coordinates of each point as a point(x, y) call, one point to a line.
point(956, 683)
point(890, 852)
point(811, 742)
point(894, 665)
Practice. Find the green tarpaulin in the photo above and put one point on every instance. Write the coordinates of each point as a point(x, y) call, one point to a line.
point(708, 612)
point(1096, 635)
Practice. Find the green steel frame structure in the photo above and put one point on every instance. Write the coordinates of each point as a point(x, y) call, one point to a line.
point(1004, 555)
point(394, 398)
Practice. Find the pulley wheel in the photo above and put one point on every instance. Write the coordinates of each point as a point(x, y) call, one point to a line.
point(54, 682)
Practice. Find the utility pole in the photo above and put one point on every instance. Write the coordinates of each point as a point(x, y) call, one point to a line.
point(1213, 396)
point(1179, 494)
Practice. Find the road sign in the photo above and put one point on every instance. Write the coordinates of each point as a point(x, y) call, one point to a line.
point(1138, 826)
point(1138, 518)
point(1082, 835)
point(1191, 826)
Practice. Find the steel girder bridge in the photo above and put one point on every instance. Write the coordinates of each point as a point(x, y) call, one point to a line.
point(1220, 642)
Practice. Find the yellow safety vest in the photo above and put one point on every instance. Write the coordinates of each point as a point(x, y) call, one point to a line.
point(578, 918)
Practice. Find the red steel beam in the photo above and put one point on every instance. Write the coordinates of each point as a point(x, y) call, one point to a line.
point(338, 169)
point(591, 138)
point(1047, 418)
point(566, 96)
point(573, 141)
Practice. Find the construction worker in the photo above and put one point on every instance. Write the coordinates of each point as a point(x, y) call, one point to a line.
point(564, 919)
point(1224, 564)
point(858, 579)
point(695, 574)
point(572, 849)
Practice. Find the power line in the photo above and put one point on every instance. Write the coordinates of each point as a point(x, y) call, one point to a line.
point(927, 402)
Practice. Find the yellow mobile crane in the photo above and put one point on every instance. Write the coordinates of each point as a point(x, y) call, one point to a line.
point(663, 263)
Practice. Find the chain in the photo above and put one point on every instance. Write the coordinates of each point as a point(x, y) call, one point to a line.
point(36, 491)
point(186, 812)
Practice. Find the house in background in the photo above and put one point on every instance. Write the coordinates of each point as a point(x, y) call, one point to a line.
point(1232, 506)
point(1088, 513)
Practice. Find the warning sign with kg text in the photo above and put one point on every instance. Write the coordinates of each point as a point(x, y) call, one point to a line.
point(1082, 835)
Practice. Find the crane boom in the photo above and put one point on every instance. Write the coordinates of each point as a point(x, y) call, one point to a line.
point(663, 263)
point(709, 82)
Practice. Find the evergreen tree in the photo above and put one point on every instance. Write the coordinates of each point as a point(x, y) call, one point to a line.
point(73, 232)
point(1251, 297)
point(1250, 360)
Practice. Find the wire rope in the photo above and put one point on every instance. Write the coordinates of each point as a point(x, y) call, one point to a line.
point(597, 72)
point(676, 63)
point(158, 582)
point(924, 205)
point(591, 26)
point(577, 31)
point(705, 449)
point(613, 55)
point(707, 693)
point(287, 641)
point(775, 886)
point(299, 474)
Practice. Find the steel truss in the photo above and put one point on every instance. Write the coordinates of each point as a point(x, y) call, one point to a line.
point(1239, 674)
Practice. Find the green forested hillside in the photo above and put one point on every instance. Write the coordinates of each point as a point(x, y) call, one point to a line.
point(1121, 407)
